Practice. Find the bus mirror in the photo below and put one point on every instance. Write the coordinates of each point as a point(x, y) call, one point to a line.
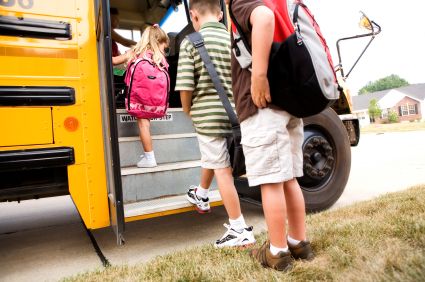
point(365, 22)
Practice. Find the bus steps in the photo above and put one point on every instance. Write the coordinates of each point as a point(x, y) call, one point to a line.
point(162, 188)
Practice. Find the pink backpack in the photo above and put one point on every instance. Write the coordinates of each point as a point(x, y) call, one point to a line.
point(148, 88)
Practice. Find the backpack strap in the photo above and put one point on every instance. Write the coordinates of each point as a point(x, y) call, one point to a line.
point(239, 28)
point(132, 70)
point(296, 25)
point(198, 42)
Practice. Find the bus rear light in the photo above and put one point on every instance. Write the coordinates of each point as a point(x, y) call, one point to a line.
point(71, 124)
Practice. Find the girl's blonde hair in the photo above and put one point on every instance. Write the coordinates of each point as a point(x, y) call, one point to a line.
point(152, 37)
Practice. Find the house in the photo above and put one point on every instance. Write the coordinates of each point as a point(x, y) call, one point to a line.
point(407, 102)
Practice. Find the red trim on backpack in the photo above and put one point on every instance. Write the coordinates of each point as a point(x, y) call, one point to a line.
point(283, 24)
point(322, 38)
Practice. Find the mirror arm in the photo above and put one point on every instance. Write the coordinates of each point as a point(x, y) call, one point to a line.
point(378, 26)
point(361, 55)
point(372, 34)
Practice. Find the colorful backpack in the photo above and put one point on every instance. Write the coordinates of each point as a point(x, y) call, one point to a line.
point(148, 88)
point(301, 73)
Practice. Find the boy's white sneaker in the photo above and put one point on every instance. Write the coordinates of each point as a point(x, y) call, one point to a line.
point(202, 204)
point(234, 238)
point(145, 162)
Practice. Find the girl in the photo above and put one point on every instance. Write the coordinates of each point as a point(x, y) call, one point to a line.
point(148, 86)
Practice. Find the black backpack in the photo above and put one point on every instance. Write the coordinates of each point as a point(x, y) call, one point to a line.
point(301, 74)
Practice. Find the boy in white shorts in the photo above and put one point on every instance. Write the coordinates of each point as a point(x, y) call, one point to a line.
point(201, 101)
point(272, 143)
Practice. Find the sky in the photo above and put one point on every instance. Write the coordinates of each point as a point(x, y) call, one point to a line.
point(399, 49)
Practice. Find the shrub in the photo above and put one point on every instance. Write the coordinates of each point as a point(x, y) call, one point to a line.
point(392, 116)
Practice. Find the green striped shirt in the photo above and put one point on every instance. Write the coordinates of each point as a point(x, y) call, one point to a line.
point(208, 114)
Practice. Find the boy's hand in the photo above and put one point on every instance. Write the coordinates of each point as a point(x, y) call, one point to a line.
point(262, 21)
point(260, 91)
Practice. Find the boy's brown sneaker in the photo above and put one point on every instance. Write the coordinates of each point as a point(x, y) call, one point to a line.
point(302, 250)
point(281, 262)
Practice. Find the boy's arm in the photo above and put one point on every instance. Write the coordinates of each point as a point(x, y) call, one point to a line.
point(186, 99)
point(262, 22)
point(185, 81)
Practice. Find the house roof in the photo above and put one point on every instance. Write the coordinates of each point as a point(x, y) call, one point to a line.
point(388, 98)
point(414, 90)
point(361, 102)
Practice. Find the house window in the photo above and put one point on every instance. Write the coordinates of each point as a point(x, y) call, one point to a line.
point(404, 110)
point(412, 110)
point(407, 109)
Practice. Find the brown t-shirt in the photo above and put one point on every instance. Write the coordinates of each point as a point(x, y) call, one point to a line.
point(241, 78)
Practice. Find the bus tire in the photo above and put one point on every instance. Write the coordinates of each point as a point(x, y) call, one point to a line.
point(326, 169)
point(327, 160)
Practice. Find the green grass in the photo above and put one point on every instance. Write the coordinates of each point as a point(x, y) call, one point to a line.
point(378, 240)
point(393, 127)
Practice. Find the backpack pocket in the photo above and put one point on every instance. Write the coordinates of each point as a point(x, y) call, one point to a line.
point(294, 86)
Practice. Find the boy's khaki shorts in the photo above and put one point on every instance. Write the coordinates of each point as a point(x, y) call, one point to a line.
point(214, 153)
point(272, 143)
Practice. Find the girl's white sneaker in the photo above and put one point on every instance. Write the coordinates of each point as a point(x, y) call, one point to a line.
point(145, 162)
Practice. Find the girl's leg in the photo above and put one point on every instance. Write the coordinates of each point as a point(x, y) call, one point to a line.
point(148, 158)
point(145, 134)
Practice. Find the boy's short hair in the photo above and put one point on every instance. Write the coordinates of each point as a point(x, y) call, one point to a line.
point(205, 6)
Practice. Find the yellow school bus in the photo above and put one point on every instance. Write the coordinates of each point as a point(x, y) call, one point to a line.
point(63, 129)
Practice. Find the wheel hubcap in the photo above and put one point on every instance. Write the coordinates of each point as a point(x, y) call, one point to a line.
point(318, 158)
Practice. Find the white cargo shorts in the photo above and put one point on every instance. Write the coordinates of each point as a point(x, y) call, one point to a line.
point(214, 153)
point(272, 143)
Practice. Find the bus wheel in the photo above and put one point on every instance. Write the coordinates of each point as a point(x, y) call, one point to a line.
point(327, 160)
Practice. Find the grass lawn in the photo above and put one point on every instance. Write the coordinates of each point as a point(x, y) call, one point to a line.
point(393, 127)
point(378, 240)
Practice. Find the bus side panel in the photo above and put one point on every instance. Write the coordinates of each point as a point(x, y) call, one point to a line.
point(38, 129)
point(72, 62)
point(59, 8)
point(96, 191)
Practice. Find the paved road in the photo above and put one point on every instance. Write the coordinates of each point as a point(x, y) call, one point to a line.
point(44, 239)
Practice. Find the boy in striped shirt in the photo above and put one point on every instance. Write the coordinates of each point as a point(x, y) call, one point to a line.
point(201, 101)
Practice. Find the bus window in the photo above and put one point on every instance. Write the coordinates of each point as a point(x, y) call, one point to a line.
point(174, 20)
point(133, 34)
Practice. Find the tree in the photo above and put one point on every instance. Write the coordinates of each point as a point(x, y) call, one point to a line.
point(374, 110)
point(389, 82)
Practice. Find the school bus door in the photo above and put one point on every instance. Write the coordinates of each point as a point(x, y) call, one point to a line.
point(115, 195)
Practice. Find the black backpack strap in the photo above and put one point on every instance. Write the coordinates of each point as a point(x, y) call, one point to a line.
point(198, 42)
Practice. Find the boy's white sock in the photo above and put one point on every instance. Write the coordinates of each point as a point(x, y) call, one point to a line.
point(202, 192)
point(150, 155)
point(238, 224)
point(293, 241)
point(275, 250)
